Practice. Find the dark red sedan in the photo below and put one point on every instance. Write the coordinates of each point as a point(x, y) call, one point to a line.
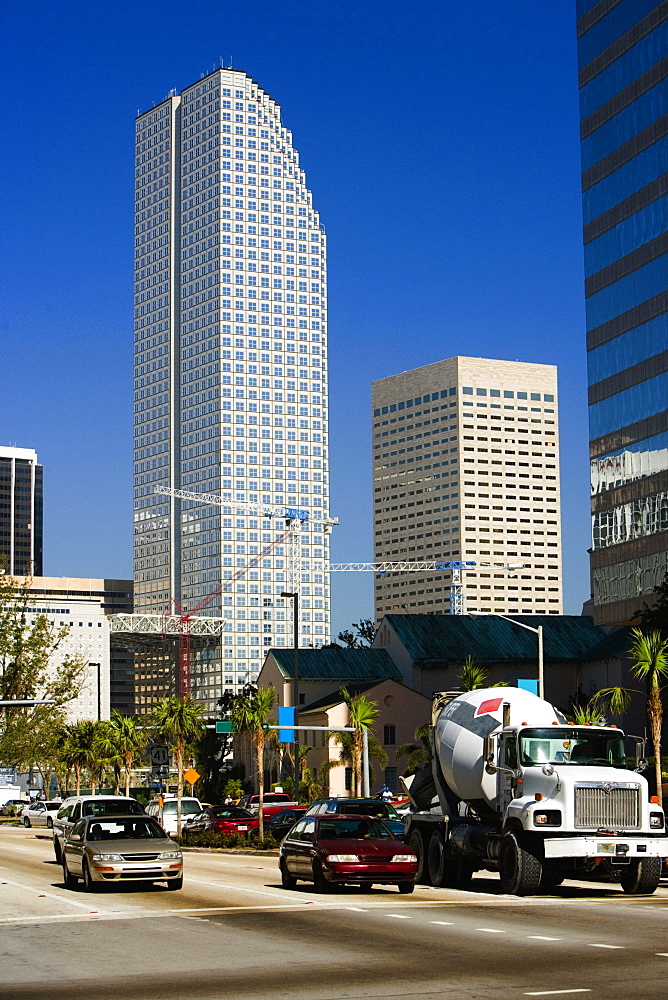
point(340, 849)
point(222, 819)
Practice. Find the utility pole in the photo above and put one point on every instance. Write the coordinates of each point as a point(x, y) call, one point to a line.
point(295, 682)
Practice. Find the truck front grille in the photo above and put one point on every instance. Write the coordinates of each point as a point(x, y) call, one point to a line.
point(613, 806)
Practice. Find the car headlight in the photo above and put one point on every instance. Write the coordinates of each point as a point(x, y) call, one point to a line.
point(107, 857)
point(404, 857)
point(342, 857)
point(170, 855)
point(656, 821)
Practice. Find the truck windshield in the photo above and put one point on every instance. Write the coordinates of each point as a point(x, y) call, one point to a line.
point(572, 746)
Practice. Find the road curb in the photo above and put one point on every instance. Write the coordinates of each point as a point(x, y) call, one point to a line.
point(269, 853)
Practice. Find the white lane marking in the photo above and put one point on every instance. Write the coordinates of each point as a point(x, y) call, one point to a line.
point(398, 916)
point(53, 895)
point(237, 888)
point(615, 946)
point(661, 954)
point(489, 930)
point(357, 909)
point(542, 937)
point(552, 993)
point(443, 923)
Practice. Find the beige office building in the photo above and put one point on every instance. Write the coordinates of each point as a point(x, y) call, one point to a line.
point(466, 468)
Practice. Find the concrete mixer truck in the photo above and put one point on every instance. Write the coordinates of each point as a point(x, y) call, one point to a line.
point(514, 787)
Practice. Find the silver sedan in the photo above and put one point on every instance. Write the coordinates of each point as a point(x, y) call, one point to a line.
point(40, 814)
point(120, 849)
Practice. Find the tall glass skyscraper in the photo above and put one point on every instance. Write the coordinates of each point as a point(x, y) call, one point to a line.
point(230, 369)
point(623, 65)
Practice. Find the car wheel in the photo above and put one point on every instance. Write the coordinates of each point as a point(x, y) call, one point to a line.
point(89, 884)
point(288, 881)
point(406, 887)
point(57, 851)
point(175, 883)
point(49, 824)
point(26, 822)
point(320, 883)
point(69, 879)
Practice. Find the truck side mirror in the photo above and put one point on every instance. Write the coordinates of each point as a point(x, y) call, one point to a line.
point(641, 765)
point(488, 753)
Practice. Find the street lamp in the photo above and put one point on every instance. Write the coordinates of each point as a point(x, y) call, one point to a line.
point(538, 630)
point(295, 683)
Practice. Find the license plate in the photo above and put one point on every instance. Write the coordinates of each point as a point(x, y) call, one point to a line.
point(242, 828)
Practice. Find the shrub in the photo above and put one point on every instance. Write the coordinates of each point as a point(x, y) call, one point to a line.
point(209, 838)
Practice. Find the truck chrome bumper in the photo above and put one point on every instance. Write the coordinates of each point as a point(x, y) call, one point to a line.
point(607, 847)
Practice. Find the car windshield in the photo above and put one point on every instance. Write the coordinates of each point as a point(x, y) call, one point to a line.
point(381, 810)
point(112, 807)
point(572, 746)
point(125, 829)
point(353, 829)
point(231, 812)
point(188, 807)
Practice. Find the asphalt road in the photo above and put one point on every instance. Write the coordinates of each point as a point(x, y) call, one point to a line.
point(234, 932)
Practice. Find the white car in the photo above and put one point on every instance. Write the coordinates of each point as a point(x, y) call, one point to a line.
point(40, 814)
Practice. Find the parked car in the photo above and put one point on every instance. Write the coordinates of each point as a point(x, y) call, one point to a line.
point(40, 814)
point(340, 848)
point(166, 812)
point(76, 807)
point(221, 819)
point(273, 802)
point(282, 822)
point(131, 848)
point(360, 807)
point(13, 807)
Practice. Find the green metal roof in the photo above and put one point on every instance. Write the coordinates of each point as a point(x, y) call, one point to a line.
point(432, 640)
point(337, 664)
point(334, 697)
point(612, 646)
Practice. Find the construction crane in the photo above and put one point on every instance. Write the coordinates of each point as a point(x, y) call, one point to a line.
point(298, 516)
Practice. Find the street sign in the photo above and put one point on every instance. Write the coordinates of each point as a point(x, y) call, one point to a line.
point(191, 775)
point(159, 756)
point(224, 727)
point(286, 717)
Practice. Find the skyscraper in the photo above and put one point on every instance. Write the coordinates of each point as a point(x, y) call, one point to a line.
point(21, 511)
point(466, 467)
point(230, 367)
point(623, 109)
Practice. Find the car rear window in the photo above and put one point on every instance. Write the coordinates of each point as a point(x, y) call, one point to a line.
point(112, 807)
point(381, 810)
point(189, 807)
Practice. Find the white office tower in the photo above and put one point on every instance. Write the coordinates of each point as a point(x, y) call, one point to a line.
point(466, 468)
point(230, 370)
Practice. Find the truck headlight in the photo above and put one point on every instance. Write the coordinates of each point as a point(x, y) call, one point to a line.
point(547, 817)
point(656, 821)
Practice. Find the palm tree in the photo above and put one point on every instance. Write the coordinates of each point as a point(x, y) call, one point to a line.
point(81, 752)
point(471, 675)
point(178, 721)
point(649, 651)
point(418, 753)
point(650, 655)
point(251, 715)
point(362, 713)
point(122, 742)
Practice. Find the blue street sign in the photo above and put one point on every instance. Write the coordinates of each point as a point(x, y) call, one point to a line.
point(286, 717)
point(528, 685)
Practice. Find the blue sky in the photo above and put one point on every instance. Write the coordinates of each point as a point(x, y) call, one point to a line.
point(440, 141)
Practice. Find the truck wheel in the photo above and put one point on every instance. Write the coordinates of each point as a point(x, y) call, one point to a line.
point(519, 867)
point(449, 873)
point(641, 877)
point(416, 844)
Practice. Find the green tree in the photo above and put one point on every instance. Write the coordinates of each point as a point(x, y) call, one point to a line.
point(362, 637)
point(250, 715)
point(178, 721)
point(122, 742)
point(418, 753)
point(81, 750)
point(362, 714)
point(471, 675)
